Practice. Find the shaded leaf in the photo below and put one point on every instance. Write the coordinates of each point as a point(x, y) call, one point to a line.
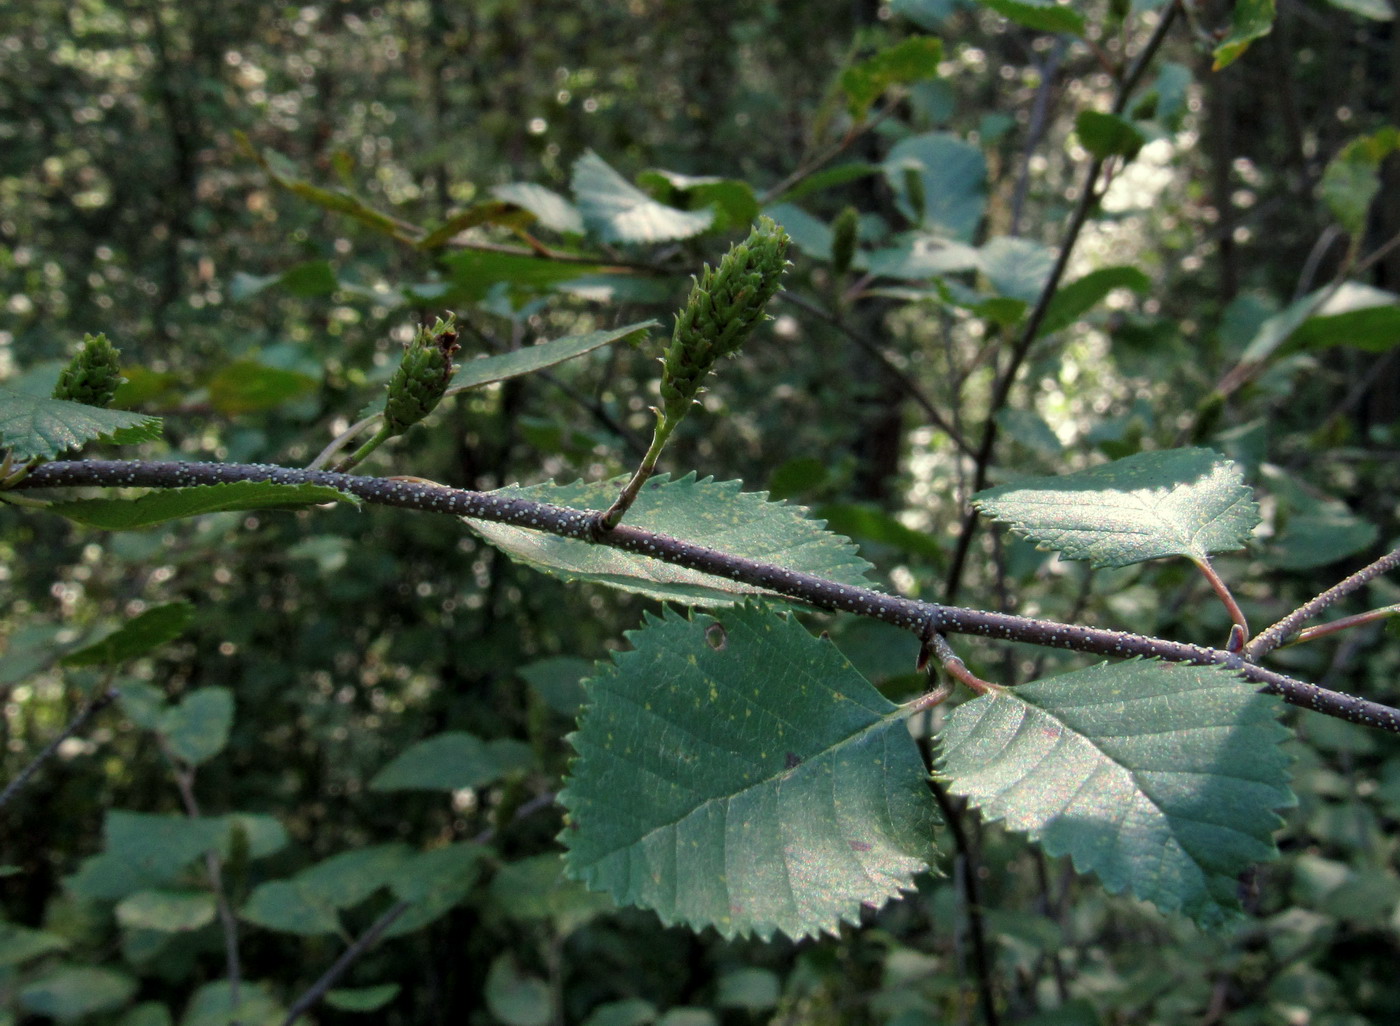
point(1352, 177)
point(246, 386)
point(515, 998)
point(497, 212)
point(1108, 135)
point(139, 635)
point(1179, 502)
point(72, 992)
point(910, 60)
point(736, 772)
point(1250, 20)
point(1159, 777)
point(451, 761)
point(197, 728)
point(536, 888)
point(160, 507)
point(953, 175)
point(1355, 315)
point(213, 1005)
point(19, 944)
point(284, 173)
point(732, 197)
point(1017, 268)
point(475, 273)
point(362, 999)
point(346, 879)
point(32, 427)
point(290, 906)
point(1041, 15)
point(434, 881)
point(616, 211)
point(559, 681)
point(708, 513)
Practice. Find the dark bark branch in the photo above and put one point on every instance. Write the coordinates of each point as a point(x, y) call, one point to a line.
point(909, 614)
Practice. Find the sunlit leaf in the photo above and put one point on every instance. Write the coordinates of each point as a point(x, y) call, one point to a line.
point(34, 427)
point(909, 60)
point(1161, 778)
point(551, 209)
point(1017, 268)
point(734, 771)
point(614, 210)
point(166, 911)
point(139, 635)
point(160, 507)
point(1179, 502)
point(710, 513)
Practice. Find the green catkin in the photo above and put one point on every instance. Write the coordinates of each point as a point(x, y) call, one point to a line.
point(724, 306)
point(422, 377)
point(92, 375)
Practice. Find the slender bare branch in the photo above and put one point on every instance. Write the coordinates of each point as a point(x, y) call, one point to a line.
point(363, 943)
point(909, 614)
point(1272, 637)
point(106, 698)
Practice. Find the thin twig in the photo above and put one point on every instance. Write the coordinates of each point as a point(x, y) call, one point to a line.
point(106, 698)
point(184, 781)
point(906, 613)
point(953, 810)
point(1272, 637)
point(1222, 591)
point(1088, 196)
point(318, 990)
point(906, 383)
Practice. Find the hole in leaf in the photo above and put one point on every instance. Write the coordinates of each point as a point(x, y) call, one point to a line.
point(716, 636)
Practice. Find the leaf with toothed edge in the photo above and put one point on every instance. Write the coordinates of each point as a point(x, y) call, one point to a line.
point(714, 514)
point(1162, 778)
point(1178, 502)
point(34, 427)
point(734, 771)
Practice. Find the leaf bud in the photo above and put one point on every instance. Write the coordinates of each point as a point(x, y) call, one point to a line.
point(422, 376)
point(845, 233)
point(92, 375)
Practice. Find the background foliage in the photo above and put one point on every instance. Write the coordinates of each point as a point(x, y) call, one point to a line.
point(165, 177)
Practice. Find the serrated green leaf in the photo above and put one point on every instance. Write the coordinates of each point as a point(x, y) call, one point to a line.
point(1108, 135)
point(733, 771)
point(953, 174)
point(32, 427)
point(362, 999)
point(550, 209)
point(19, 944)
point(166, 911)
point(197, 728)
point(1040, 15)
point(910, 60)
point(614, 210)
point(1075, 299)
point(290, 906)
point(715, 514)
point(160, 507)
point(139, 635)
point(1250, 20)
point(1179, 502)
point(451, 761)
point(72, 992)
point(1159, 777)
